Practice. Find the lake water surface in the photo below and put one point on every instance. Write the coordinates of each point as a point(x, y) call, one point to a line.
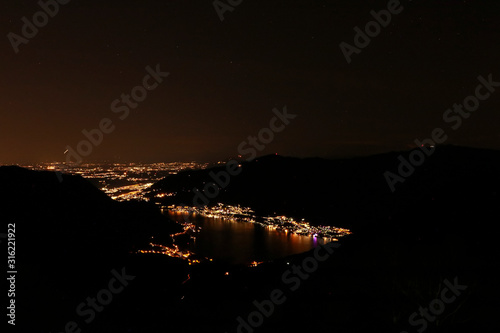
point(243, 242)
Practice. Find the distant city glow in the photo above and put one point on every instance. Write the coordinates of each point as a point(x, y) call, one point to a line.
point(123, 181)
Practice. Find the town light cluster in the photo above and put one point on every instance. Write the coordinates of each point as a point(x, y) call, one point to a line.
point(276, 222)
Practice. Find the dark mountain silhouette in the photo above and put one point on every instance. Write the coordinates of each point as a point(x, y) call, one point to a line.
point(351, 191)
point(67, 233)
point(354, 192)
point(439, 224)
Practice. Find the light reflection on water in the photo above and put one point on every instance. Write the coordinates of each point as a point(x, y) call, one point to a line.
point(243, 242)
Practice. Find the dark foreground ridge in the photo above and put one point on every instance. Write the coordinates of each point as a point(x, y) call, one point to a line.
point(439, 225)
point(69, 236)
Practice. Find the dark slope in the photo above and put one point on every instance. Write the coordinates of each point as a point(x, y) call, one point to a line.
point(304, 187)
point(439, 224)
point(351, 192)
point(69, 235)
point(74, 208)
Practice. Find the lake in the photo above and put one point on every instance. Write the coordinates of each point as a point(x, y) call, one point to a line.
point(242, 242)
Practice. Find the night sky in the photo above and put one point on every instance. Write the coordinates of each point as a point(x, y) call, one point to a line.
point(227, 76)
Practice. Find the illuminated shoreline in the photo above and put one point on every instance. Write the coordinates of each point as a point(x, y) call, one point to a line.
point(246, 214)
